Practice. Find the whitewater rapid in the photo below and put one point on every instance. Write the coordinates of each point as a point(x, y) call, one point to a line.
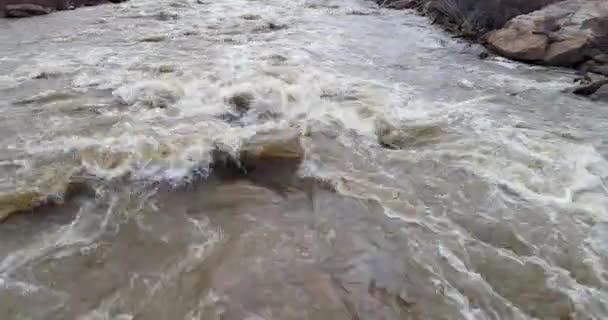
point(492, 202)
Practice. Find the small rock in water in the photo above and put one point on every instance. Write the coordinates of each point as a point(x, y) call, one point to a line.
point(241, 101)
point(191, 33)
point(272, 146)
point(393, 137)
point(402, 4)
point(154, 94)
point(250, 16)
point(270, 26)
point(590, 88)
point(45, 75)
point(277, 59)
point(484, 55)
point(165, 16)
point(165, 68)
point(154, 38)
point(275, 150)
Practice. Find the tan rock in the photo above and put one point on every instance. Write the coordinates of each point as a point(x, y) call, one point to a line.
point(519, 44)
point(272, 146)
point(601, 58)
point(563, 34)
point(18, 201)
point(566, 53)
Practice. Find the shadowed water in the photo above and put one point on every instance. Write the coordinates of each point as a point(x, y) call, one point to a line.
point(434, 185)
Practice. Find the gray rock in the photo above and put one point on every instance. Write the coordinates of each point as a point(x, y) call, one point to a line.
point(26, 10)
point(601, 94)
point(589, 89)
point(595, 67)
point(241, 101)
point(400, 4)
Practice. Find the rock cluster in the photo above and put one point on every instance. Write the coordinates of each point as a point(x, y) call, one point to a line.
point(571, 33)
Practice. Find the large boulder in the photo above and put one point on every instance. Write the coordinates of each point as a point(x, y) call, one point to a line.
point(567, 33)
point(28, 8)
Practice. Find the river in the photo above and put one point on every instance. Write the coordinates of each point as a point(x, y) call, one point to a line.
point(494, 205)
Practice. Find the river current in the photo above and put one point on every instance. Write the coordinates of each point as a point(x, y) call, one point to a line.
point(493, 204)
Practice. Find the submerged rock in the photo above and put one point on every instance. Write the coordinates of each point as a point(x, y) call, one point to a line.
point(18, 201)
point(152, 94)
point(52, 192)
point(393, 137)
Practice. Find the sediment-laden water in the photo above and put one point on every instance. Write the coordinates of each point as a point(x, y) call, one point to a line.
point(434, 185)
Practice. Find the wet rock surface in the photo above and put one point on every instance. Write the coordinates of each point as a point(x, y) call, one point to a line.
point(25, 10)
point(407, 135)
point(274, 152)
point(271, 146)
point(597, 90)
point(29, 8)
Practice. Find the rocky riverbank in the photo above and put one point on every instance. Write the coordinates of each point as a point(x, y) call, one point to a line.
point(28, 8)
point(563, 33)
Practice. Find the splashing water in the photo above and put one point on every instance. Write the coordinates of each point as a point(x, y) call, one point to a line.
point(434, 185)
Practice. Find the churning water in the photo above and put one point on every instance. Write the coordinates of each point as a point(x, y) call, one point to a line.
point(434, 185)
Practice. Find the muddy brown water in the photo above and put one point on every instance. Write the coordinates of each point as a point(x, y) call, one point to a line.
point(488, 199)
